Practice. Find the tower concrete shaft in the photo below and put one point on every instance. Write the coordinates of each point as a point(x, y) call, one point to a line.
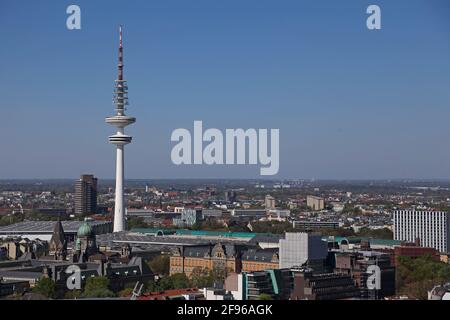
point(120, 139)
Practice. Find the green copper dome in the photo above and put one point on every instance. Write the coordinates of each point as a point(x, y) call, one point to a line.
point(85, 229)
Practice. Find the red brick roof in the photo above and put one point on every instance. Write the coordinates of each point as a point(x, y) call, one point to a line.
point(163, 295)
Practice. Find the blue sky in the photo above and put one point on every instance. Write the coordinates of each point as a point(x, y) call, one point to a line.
point(350, 103)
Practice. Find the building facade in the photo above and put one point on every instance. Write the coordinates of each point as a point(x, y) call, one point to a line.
point(230, 196)
point(275, 283)
point(86, 195)
point(323, 286)
point(315, 203)
point(228, 258)
point(356, 264)
point(430, 227)
point(189, 217)
point(269, 202)
point(414, 252)
point(299, 248)
point(186, 259)
point(312, 224)
point(260, 259)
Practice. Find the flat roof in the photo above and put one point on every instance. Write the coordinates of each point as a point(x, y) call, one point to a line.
point(45, 226)
point(372, 241)
point(149, 241)
point(200, 233)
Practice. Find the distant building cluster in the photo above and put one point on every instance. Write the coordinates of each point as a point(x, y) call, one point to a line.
point(315, 244)
point(24, 262)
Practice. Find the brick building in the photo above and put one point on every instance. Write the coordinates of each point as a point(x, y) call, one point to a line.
point(185, 259)
point(259, 259)
point(414, 252)
point(226, 257)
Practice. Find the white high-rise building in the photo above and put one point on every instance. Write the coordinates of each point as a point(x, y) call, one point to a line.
point(431, 227)
point(298, 248)
point(120, 139)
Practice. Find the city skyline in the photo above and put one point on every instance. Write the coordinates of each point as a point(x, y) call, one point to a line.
point(350, 103)
point(283, 152)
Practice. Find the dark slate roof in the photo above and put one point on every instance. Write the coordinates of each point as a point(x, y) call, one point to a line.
point(45, 226)
point(197, 251)
point(266, 238)
point(230, 250)
point(260, 255)
point(58, 238)
point(20, 274)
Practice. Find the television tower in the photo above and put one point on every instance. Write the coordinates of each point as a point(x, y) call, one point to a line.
point(120, 139)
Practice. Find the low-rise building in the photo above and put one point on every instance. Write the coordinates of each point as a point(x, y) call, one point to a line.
point(314, 224)
point(217, 294)
point(185, 259)
point(414, 252)
point(9, 287)
point(356, 264)
point(189, 217)
point(275, 283)
point(260, 259)
point(323, 286)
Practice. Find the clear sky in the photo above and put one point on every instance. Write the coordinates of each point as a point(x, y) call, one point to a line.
point(350, 103)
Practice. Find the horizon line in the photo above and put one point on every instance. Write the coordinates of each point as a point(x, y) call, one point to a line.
point(244, 179)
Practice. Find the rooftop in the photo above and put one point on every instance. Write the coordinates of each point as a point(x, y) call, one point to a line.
point(45, 226)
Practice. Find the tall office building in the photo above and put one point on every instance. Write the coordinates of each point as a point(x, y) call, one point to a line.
point(430, 227)
point(120, 139)
point(86, 195)
point(230, 196)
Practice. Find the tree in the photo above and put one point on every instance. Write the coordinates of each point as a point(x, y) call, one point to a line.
point(97, 287)
point(125, 292)
point(201, 278)
point(160, 265)
point(45, 287)
point(165, 284)
point(351, 209)
point(9, 219)
point(272, 227)
point(383, 233)
point(415, 277)
point(136, 222)
point(152, 286)
point(265, 296)
point(180, 281)
point(218, 274)
point(73, 294)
